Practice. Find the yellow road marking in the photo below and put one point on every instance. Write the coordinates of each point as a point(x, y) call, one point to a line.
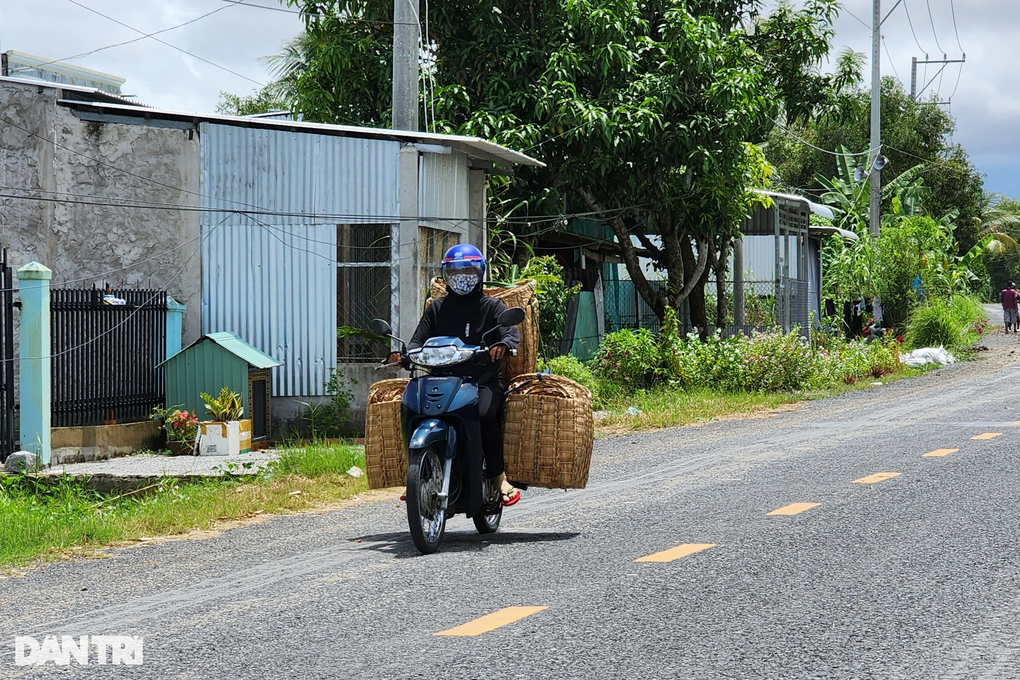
point(988, 435)
point(876, 478)
point(676, 553)
point(492, 621)
point(794, 508)
point(1016, 424)
point(938, 453)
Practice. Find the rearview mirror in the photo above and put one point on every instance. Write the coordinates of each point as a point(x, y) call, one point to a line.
point(510, 317)
point(380, 327)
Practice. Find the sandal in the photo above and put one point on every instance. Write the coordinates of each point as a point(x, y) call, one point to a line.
point(508, 495)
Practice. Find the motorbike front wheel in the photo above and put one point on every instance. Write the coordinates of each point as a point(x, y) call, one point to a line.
point(488, 522)
point(425, 516)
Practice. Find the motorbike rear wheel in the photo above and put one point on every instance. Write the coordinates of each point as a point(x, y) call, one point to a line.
point(488, 522)
point(425, 518)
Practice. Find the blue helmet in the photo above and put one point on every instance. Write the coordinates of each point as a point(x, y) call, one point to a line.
point(463, 269)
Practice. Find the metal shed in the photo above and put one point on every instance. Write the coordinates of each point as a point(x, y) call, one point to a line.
point(779, 242)
point(216, 360)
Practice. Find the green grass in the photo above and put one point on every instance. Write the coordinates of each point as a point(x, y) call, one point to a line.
point(673, 407)
point(49, 519)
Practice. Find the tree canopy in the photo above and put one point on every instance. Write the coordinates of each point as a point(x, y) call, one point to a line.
point(642, 110)
point(913, 133)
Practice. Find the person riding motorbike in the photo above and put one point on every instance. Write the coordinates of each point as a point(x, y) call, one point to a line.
point(466, 312)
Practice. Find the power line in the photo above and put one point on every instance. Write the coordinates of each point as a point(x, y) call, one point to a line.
point(891, 62)
point(163, 42)
point(133, 40)
point(286, 10)
point(910, 23)
point(867, 26)
point(933, 31)
point(956, 29)
point(818, 148)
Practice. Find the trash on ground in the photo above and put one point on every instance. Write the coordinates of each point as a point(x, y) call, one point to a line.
point(928, 355)
point(876, 384)
point(631, 411)
point(355, 472)
point(294, 493)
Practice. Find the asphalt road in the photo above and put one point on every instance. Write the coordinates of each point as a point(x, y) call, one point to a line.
point(916, 576)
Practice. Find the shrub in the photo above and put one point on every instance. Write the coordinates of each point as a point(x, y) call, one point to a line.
point(629, 359)
point(776, 362)
point(952, 323)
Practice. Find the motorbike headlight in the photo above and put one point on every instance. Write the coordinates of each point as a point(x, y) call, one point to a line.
point(446, 355)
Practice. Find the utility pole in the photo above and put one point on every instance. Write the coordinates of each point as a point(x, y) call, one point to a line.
point(875, 204)
point(406, 37)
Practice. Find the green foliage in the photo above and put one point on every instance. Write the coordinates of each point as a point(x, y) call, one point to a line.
point(179, 426)
point(649, 104)
point(330, 419)
point(572, 368)
point(628, 359)
point(553, 296)
point(317, 459)
point(263, 100)
point(912, 133)
point(951, 323)
point(225, 407)
point(776, 362)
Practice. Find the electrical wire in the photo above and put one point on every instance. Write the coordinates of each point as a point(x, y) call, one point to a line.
point(933, 31)
point(959, 74)
point(128, 42)
point(912, 32)
point(859, 20)
point(891, 63)
point(956, 29)
point(818, 148)
point(163, 42)
point(286, 10)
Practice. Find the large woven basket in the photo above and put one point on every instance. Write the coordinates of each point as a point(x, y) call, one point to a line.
point(385, 457)
point(520, 294)
point(548, 432)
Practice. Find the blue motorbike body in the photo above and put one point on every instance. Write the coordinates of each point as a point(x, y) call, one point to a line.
point(443, 410)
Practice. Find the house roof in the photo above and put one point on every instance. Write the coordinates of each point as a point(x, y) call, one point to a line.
point(474, 147)
point(816, 208)
point(231, 342)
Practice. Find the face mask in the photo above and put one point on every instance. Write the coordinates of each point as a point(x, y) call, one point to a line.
point(462, 284)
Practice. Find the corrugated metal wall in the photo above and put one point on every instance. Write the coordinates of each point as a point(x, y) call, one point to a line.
point(271, 278)
point(443, 191)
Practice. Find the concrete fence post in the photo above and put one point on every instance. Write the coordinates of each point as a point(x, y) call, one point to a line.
point(34, 359)
point(174, 326)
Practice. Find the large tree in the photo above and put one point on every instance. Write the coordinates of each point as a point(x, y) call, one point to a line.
point(913, 132)
point(641, 109)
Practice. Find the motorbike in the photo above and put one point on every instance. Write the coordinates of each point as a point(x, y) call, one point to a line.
point(442, 437)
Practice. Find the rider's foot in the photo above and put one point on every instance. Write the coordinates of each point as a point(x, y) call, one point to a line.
point(508, 495)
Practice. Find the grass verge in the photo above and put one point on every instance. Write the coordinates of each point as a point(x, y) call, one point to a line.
point(46, 520)
point(665, 406)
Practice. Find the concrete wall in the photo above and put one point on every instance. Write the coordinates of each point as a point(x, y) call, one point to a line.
point(83, 444)
point(48, 153)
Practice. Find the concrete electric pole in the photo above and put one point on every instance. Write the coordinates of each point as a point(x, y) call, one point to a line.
point(406, 37)
point(875, 222)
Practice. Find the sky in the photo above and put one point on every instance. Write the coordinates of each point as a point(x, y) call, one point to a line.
point(985, 94)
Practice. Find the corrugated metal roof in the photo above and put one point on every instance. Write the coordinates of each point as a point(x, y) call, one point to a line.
point(472, 146)
point(238, 347)
point(443, 191)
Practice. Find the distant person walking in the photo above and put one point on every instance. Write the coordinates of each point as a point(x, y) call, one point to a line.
point(1010, 320)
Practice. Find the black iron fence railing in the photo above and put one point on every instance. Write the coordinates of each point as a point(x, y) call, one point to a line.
point(105, 356)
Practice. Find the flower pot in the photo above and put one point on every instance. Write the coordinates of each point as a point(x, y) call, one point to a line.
point(181, 448)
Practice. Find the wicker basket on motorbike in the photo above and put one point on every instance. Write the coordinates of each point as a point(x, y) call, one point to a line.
point(520, 294)
point(385, 457)
point(548, 432)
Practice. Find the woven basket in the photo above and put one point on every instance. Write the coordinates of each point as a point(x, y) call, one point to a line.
point(385, 457)
point(520, 294)
point(548, 432)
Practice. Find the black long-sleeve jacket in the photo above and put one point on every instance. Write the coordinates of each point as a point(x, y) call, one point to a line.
point(468, 317)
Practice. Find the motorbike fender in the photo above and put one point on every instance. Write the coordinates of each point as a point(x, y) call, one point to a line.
point(428, 432)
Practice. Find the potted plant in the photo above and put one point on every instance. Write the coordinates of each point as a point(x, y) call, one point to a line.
point(181, 428)
point(226, 434)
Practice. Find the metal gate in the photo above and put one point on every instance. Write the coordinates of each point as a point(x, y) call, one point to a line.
point(8, 367)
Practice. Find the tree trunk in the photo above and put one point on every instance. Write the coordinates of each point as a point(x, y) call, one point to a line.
point(720, 283)
point(696, 296)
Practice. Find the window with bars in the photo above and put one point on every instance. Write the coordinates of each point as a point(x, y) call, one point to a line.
point(433, 244)
point(363, 288)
